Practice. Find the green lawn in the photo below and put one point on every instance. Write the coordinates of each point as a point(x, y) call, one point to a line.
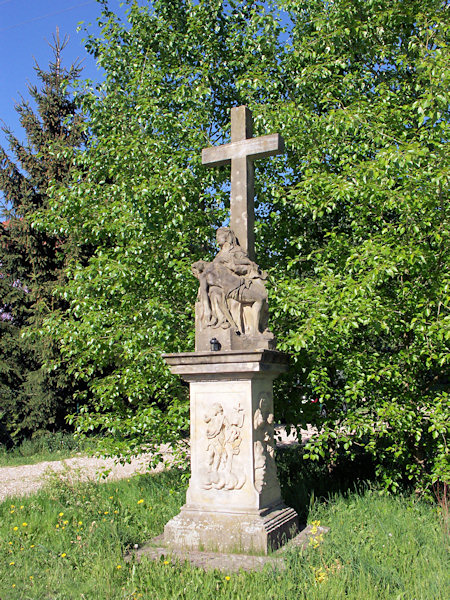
point(68, 541)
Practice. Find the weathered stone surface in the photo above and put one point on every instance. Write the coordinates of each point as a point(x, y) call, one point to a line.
point(225, 562)
point(233, 501)
point(262, 147)
point(233, 531)
point(229, 340)
point(242, 151)
point(232, 301)
point(192, 364)
point(232, 304)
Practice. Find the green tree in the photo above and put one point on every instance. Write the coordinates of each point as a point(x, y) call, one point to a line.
point(364, 301)
point(352, 223)
point(32, 261)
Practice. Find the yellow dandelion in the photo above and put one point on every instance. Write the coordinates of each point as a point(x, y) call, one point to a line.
point(65, 522)
point(319, 574)
point(14, 585)
point(63, 555)
point(12, 506)
point(11, 564)
point(15, 528)
point(57, 525)
point(106, 512)
point(140, 501)
point(227, 577)
point(116, 512)
point(80, 522)
point(32, 546)
point(119, 567)
point(22, 507)
point(166, 562)
point(31, 577)
point(10, 543)
point(111, 497)
point(12, 511)
point(61, 515)
point(24, 524)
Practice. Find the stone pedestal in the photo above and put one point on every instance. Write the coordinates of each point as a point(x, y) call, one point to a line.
point(233, 502)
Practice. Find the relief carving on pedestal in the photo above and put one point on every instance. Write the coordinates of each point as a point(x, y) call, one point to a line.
point(223, 434)
point(264, 451)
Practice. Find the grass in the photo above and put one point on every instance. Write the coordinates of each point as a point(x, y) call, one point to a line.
point(68, 541)
point(45, 447)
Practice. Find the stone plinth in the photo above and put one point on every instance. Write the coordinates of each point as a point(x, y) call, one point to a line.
point(233, 503)
point(229, 339)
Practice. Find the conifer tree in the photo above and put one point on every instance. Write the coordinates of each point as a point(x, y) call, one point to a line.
point(32, 262)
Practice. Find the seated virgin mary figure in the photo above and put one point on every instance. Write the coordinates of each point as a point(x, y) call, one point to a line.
point(232, 291)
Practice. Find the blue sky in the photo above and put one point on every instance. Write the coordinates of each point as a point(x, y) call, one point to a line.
point(25, 27)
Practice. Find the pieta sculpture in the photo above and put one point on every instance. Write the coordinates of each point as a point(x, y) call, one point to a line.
point(232, 294)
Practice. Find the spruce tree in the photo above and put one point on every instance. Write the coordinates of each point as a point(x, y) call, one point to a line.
point(32, 262)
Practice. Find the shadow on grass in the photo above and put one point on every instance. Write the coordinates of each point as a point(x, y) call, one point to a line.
point(303, 481)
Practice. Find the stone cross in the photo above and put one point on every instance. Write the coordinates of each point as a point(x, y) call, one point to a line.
point(233, 502)
point(241, 152)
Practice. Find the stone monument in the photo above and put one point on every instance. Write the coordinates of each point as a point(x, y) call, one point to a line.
point(233, 503)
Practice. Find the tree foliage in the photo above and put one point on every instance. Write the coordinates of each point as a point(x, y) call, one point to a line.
point(32, 261)
point(364, 300)
point(352, 223)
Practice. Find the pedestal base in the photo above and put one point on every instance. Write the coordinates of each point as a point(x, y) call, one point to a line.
point(229, 340)
point(261, 532)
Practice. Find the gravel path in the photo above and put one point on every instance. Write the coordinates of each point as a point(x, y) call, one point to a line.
point(28, 479)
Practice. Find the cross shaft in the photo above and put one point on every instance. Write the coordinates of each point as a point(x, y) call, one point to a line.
point(241, 153)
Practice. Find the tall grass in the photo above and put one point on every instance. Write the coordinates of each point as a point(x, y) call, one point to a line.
point(46, 446)
point(68, 542)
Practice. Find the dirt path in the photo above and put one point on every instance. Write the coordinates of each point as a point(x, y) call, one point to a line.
point(27, 479)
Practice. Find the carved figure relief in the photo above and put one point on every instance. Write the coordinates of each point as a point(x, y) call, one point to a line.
point(264, 451)
point(223, 434)
point(232, 291)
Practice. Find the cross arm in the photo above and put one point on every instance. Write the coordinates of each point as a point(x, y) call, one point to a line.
point(261, 147)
